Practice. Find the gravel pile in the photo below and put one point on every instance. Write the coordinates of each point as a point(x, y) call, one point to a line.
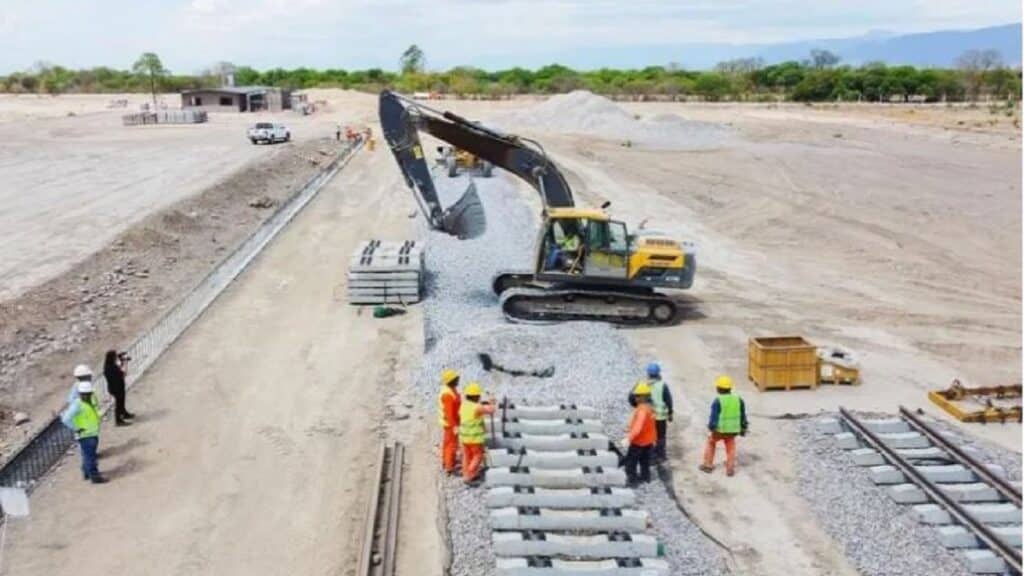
point(593, 365)
point(582, 112)
point(879, 536)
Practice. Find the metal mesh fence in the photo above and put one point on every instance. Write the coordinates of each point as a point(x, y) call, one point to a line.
point(44, 449)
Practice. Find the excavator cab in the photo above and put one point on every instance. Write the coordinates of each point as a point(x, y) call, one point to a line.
point(582, 244)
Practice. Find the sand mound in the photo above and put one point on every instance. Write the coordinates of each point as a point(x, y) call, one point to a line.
point(583, 112)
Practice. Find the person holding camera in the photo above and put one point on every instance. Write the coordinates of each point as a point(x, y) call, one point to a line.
point(114, 371)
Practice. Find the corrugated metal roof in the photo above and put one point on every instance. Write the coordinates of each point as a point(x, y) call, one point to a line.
point(233, 89)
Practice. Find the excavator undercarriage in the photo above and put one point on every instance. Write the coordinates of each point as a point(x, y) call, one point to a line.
point(587, 266)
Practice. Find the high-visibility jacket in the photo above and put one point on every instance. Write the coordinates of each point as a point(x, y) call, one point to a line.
point(570, 243)
point(658, 399)
point(448, 407)
point(642, 431)
point(729, 414)
point(471, 423)
point(86, 420)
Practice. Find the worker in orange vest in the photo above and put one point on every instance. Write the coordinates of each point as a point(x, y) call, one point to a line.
point(641, 438)
point(472, 433)
point(448, 403)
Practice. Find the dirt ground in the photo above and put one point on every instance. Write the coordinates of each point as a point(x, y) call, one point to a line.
point(899, 242)
point(109, 225)
point(106, 300)
point(73, 183)
point(892, 231)
point(256, 434)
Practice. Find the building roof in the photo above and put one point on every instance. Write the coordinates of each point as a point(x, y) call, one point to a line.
point(233, 89)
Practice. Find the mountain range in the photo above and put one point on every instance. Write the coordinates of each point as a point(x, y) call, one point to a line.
point(929, 49)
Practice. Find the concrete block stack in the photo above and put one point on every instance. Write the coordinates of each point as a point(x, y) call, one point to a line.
point(558, 501)
point(383, 272)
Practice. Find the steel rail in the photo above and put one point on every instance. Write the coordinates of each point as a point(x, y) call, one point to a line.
point(1007, 490)
point(380, 532)
point(1008, 553)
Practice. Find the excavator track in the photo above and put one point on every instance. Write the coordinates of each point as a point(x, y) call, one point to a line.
point(540, 305)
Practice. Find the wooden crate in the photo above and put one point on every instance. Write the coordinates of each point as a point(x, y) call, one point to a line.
point(782, 363)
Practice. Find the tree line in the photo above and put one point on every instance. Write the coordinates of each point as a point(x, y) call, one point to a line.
point(820, 77)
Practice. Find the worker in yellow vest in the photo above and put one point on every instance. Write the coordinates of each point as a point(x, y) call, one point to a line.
point(728, 419)
point(472, 434)
point(83, 417)
point(448, 403)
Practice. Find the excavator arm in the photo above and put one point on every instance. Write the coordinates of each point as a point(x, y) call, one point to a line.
point(401, 121)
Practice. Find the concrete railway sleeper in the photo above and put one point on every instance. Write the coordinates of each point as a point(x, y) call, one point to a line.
point(973, 508)
point(558, 501)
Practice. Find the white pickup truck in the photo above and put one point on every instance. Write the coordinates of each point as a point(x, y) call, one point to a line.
point(269, 133)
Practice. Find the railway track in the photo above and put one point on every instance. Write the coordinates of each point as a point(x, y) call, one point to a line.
point(380, 534)
point(974, 509)
point(558, 502)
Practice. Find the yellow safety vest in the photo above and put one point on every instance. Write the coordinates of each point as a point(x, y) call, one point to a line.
point(87, 420)
point(441, 418)
point(729, 414)
point(471, 424)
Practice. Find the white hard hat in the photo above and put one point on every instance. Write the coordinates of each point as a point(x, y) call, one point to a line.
point(85, 387)
point(83, 371)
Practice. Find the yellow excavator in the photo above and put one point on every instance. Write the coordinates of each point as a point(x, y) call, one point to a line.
point(457, 161)
point(587, 266)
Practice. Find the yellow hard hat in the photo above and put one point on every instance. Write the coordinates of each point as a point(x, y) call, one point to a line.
point(723, 382)
point(449, 376)
point(642, 389)
point(473, 390)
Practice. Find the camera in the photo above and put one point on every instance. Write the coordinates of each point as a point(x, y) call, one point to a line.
point(124, 357)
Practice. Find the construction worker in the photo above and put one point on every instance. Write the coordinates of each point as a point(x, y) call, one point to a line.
point(661, 402)
point(448, 403)
point(728, 418)
point(471, 432)
point(641, 437)
point(83, 417)
point(82, 373)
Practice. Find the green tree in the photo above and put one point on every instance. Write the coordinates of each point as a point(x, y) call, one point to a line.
point(821, 59)
point(975, 64)
point(412, 60)
point(148, 65)
point(712, 86)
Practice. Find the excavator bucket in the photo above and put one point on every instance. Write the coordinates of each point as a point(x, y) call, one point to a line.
point(465, 218)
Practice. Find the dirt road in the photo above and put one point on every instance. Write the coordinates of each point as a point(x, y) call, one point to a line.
point(256, 432)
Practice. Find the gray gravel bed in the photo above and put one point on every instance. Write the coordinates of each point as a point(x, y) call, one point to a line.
point(593, 365)
point(986, 452)
point(879, 536)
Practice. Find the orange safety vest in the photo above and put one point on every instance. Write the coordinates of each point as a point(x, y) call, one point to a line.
point(442, 415)
point(643, 416)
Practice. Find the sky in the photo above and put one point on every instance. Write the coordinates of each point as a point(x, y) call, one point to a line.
point(190, 35)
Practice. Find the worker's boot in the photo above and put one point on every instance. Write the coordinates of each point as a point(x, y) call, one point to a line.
point(706, 469)
point(98, 479)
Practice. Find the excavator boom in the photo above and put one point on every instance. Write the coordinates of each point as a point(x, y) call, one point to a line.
point(401, 121)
